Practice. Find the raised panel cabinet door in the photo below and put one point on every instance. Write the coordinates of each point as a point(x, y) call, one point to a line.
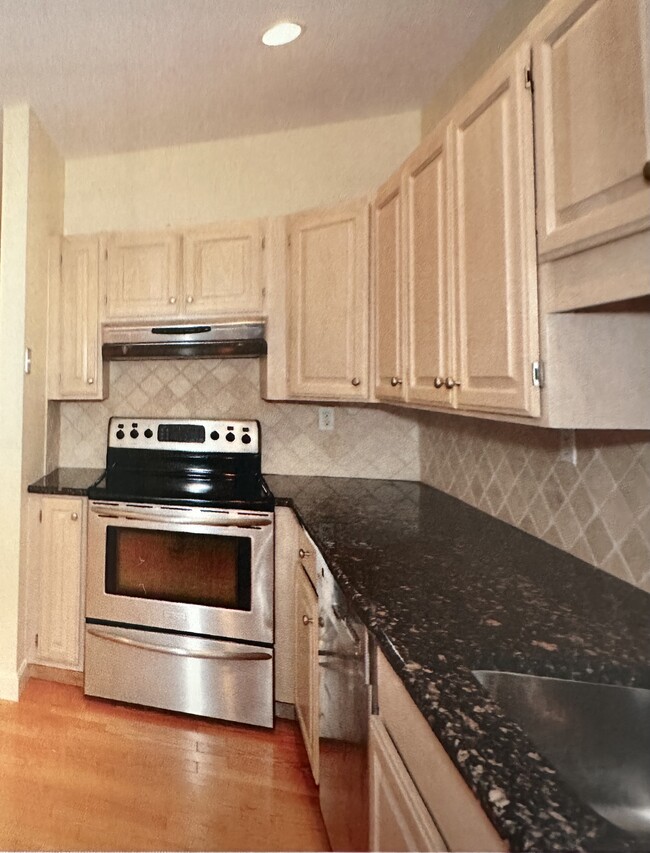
point(388, 293)
point(592, 122)
point(77, 360)
point(222, 270)
point(399, 820)
point(61, 578)
point(143, 278)
point(306, 681)
point(328, 303)
point(494, 257)
point(427, 237)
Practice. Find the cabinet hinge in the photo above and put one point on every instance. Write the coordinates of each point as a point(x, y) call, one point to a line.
point(289, 241)
point(105, 300)
point(263, 243)
point(528, 78)
point(61, 259)
point(40, 515)
point(36, 640)
point(105, 254)
point(538, 374)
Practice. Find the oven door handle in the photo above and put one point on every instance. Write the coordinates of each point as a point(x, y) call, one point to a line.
point(177, 650)
point(251, 524)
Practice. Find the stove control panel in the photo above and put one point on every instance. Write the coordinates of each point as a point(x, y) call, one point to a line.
point(184, 434)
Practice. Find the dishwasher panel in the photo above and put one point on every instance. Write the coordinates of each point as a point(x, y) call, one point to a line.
point(344, 715)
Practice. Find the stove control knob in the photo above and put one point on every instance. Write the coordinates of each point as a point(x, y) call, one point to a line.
point(230, 436)
point(214, 435)
point(120, 434)
point(246, 439)
point(134, 433)
point(148, 433)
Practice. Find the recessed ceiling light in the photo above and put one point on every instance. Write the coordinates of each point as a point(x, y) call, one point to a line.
point(281, 33)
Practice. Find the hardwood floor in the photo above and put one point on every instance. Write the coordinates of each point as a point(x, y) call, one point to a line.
point(84, 774)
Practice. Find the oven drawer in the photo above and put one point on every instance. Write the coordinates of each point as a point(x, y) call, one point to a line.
point(210, 678)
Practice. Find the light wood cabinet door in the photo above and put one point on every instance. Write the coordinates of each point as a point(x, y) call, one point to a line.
point(62, 534)
point(328, 303)
point(399, 820)
point(222, 270)
point(427, 237)
point(494, 258)
point(306, 657)
point(143, 276)
point(592, 116)
point(75, 369)
point(388, 292)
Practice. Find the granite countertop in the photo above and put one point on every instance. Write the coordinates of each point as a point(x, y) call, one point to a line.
point(67, 481)
point(446, 589)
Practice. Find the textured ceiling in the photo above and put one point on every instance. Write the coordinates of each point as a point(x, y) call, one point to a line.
point(114, 75)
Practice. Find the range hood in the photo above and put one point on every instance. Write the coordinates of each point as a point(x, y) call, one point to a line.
point(215, 340)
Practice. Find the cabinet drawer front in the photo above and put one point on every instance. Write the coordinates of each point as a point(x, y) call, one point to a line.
point(455, 809)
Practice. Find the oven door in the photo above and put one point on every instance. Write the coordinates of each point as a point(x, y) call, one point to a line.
point(197, 571)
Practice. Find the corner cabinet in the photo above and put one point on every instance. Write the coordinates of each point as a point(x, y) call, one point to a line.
point(328, 303)
point(75, 370)
point(592, 116)
point(56, 578)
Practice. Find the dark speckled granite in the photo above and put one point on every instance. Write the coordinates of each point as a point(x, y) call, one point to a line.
point(446, 589)
point(67, 481)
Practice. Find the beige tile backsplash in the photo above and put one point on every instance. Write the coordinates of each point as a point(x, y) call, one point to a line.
point(365, 442)
point(598, 510)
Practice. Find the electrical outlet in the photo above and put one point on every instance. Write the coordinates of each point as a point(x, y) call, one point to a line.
point(568, 450)
point(326, 418)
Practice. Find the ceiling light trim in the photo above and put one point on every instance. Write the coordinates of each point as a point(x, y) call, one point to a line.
point(284, 32)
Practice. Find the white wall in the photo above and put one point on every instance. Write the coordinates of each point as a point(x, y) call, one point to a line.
point(32, 208)
point(251, 176)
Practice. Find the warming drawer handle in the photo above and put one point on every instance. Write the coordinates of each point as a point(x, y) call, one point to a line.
point(177, 650)
point(253, 524)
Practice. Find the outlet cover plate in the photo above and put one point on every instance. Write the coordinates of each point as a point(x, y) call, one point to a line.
point(326, 418)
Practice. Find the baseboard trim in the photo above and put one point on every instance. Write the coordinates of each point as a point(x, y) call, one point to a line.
point(285, 710)
point(56, 673)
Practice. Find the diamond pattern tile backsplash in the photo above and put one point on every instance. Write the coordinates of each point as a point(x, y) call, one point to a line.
point(598, 510)
point(365, 442)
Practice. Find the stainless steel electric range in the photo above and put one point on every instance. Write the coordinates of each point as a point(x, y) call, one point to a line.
point(179, 598)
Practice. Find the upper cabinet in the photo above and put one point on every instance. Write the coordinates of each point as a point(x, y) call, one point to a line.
point(592, 115)
point(388, 295)
point(222, 270)
point(328, 303)
point(210, 272)
point(455, 251)
point(75, 370)
point(143, 278)
point(427, 239)
point(494, 257)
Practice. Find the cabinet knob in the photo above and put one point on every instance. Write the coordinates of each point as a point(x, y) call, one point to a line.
point(438, 382)
point(91, 381)
point(451, 383)
point(395, 381)
point(356, 382)
point(74, 516)
point(646, 171)
point(190, 299)
point(306, 620)
point(302, 553)
point(172, 300)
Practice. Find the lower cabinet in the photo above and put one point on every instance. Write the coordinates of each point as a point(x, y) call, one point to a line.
point(399, 820)
point(57, 535)
point(306, 656)
point(418, 799)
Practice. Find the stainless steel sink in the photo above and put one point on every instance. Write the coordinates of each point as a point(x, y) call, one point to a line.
point(597, 736)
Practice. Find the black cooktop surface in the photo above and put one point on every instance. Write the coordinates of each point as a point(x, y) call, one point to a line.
point(227, 491)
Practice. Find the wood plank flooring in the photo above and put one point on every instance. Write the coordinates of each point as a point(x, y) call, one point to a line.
point(85, 774)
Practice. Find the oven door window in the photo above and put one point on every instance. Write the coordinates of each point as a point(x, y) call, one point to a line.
point(189, 568)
